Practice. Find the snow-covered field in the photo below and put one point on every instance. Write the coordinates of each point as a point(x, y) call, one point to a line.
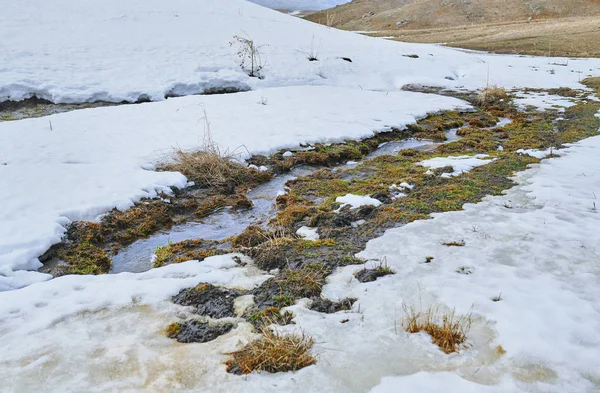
point(105, 333)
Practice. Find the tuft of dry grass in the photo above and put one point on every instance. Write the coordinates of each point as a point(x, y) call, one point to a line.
point(447, 330)
point(209, 165)
point(492, 96)
point(305, 282)
point(273, 352)
point(207, 168)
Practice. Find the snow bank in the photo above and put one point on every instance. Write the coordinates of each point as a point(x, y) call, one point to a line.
point(115, 50)
point(93, 160)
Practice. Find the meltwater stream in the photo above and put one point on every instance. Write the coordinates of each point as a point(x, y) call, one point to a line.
point(226, 223)
point(138, 256)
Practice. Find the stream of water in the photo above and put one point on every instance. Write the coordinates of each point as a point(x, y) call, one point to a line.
point(226, 223)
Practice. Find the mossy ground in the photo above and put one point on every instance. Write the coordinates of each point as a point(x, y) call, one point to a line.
point(311, 199)
point(303, 266)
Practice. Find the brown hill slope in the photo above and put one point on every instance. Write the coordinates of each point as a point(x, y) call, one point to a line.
point(422, 14)
point(536, 27)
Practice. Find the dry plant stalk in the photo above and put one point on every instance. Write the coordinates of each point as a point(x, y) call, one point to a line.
point(209, 165)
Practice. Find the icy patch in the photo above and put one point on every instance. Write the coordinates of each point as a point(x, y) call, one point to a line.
point(308, 233)
point(460, 164)
point(424, 382)
point(356, 201)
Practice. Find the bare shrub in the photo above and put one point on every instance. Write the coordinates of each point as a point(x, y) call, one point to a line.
point(249, 54)
point(447, 330)
point(492, 96)
point(272, 352)
point(312, 54)
point(208, 165)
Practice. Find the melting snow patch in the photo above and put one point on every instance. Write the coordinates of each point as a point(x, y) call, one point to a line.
point(536, 153)
point(356, 201)
point(543, 101)
point(308, 233)
point(460, 164)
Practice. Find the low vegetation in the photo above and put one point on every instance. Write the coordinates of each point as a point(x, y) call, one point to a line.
point(447, 330)
point(272, 352)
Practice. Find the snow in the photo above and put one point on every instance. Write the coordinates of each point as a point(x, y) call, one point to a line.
point(95, 159)
point(117, 50)
point(301, 5)
point(460, 164)
point(106, 333)
point(356, 201)
point(308, 233)
point(543, 101)
point(536, 152)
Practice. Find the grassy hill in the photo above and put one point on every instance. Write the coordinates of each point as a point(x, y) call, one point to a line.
point(551, 27)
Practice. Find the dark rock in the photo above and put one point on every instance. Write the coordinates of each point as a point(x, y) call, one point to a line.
point(329, 307)
point(369, 275)
point(349, 60)
point(208, 300)
point(382, 197)
point(201, 332)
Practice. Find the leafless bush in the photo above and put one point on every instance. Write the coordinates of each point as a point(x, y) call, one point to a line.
point(249, 53)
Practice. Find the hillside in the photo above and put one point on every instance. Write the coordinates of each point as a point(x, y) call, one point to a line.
point(385, 14)
point(537, 27)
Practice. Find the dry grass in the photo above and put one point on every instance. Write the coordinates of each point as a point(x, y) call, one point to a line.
point(447, 330)
point(492, 96)
point(565, 37)
point(273, 352)
point(305, 282)
point(209, 165)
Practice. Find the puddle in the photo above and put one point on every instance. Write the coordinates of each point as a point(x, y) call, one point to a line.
point(137, 257)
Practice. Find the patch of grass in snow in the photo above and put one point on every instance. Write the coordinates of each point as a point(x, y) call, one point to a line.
point(306, 281)
point(447, 330)
point(579, 122)
point(211, 168)
point(260, 319)
point(85, 258)
point(272, 352)
point(592, 83)
point(493, 96)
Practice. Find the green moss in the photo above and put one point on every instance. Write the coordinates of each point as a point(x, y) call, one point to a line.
point(173, 330)
point(86, 258)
